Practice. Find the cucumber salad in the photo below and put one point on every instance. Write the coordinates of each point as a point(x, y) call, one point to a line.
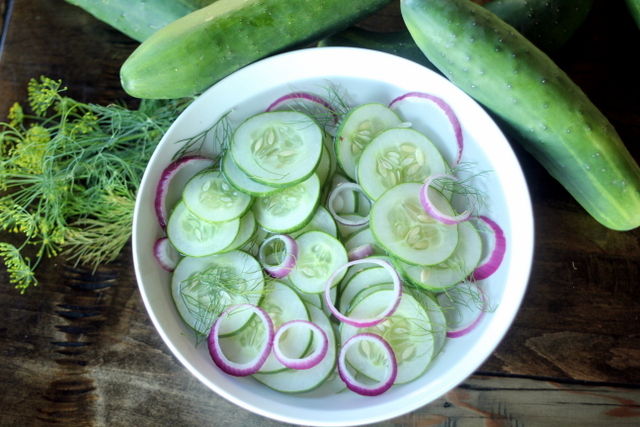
point(329, 246)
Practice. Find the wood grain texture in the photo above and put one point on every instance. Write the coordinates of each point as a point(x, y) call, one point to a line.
point(80, 349)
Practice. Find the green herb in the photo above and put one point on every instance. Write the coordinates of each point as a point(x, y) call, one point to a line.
point(69, 174)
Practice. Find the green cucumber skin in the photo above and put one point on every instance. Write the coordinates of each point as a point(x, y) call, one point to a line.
point(546, 23)
point(189, 55)
point(139, 19)
point(634, 10)
point(554, 119)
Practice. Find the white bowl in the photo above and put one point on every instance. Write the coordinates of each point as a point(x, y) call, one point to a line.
point(366, 76)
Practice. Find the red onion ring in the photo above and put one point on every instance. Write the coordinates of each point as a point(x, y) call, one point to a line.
point(281, 270)
point(497, 254)
point(445, 107)
point(365, 323)
point(309, 361)
point(332, 197)
point(444, 299)
point(166, 255)
point(304, 96)
point(234, 368)
point(166, 177)
point(360, 252)
point(352, 383)
point(432, 210)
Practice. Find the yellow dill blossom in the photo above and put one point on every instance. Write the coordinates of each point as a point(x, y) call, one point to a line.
point(16, 115)
point(43, 94)
point(70, 172)
point(28, 153)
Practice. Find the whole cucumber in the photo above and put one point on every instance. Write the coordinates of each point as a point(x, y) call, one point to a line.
point(139, 19)
point(548, 24)
point(553, 118)
point(634, 10)
point(189, 55)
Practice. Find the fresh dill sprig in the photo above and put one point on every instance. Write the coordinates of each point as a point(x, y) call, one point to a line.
point(69, 173)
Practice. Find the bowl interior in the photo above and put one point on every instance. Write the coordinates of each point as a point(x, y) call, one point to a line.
point(364, 76)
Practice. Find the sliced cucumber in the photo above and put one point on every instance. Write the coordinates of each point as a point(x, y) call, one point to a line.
point(279, 148)
point(242, 182)
point(403, 228)
point(209, 196)
point(365, 278)
point(395, 156)
point(360, 238)
point(203, 287)
point(247, 229)
point(321, 221)
point(408, 331)
point(453, 270)
point(290, 209)
point(283, 304)
point(319, 255)
point(193, 236)
point(357, 129)
point(299, 381)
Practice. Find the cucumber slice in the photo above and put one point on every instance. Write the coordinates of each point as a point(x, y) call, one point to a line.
point(363, 237)
point(203, 287)
point(357, 129)
point(299, 381)
point(403, 228)
point(283, 304)
point(193, 236)
point(290, 209)
point(247, 229)
point(209, 196)
point(363, 279)
point(395, 156)
point(321, 221)
point(453, 270)
point(319, 255)
point(278, 149)
point(408, 332)
point(242, 182)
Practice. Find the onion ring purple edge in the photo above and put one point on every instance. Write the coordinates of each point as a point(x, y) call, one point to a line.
point(309, 361)
point(240, 369)
point(448, 111)
point(435, 212)
point(352, 383)
point(163, 184)
point(340, 188)
point(457, 333)
point(497, 255)
point(365, 323)
point(283, 269)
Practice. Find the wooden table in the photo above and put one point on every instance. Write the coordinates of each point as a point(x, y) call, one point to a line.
point(80, 349)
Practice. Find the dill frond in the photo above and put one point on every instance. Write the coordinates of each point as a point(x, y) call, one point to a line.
point(69, 174)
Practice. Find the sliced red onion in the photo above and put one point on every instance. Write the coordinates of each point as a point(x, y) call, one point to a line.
point(470, 309)
point(168, 174)
point(496, 257)
point(347, 186)
point(290, 256)
point(166, 255)
point(296, 97)
point(393, 302)
point(308, 362)
point(432, 210)
point(241, 369)
point(444, 106)
point(352, 383)
point(361, 252)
